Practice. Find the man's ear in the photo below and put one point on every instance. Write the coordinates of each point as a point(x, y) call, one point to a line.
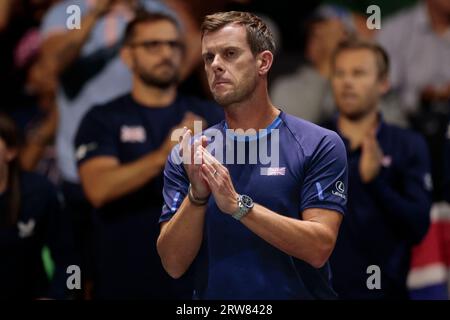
point(384, 85)
point(125, 55)
point(264, 62)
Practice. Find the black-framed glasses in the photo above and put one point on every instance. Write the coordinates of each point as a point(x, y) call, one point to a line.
point(157, 45)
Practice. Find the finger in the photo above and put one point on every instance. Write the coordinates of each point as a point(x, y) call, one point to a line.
point(198, 157)
point(182, 143)
point(217, 164)
point(211, 178)
point(181, 137)
point(185, 147)
point(221, 169)
point(204, 141)
point(211, 160)
point(208, 154)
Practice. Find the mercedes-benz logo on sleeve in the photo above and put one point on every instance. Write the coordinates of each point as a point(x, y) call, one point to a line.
point(340, 186)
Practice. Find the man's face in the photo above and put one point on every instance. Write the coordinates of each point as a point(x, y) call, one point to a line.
point(230, 65)
point(155, 53)
point(356, 85)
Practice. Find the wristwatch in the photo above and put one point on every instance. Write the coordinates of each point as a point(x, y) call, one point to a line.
point(245, 203)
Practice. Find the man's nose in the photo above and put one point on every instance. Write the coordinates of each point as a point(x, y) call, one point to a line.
point(217, 65)
point(348, 81)
point(166, 50)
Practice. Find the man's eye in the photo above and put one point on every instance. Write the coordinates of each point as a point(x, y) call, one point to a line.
point(150, 44)
point(209, 58)
point(230, 53)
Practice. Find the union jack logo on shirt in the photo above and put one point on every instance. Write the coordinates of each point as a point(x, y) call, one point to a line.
point(275, 171)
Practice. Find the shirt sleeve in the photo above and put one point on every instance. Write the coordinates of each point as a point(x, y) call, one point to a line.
point(176, 184)
point(325, 180)
point(95, 136)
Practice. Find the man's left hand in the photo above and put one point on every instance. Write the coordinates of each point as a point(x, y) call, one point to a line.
point(218, 178)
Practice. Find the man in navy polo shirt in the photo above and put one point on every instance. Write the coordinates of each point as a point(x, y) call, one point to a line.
point(250, 228)
point(389, 181)
point(121, 150)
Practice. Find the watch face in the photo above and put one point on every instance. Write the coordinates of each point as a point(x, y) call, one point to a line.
point(247, 201)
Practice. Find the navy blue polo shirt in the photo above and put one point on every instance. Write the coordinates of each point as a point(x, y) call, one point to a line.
point(126, 263)
point(385, 217)
point(233, 262)
point(40, 223)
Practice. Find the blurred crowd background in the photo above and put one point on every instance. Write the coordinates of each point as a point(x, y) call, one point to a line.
point(48, 88)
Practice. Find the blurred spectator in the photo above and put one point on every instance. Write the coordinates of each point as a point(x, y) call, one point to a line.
point(90, 72)
point(418, 42)
point(30, 217)
point(389, 180)
point(38, 120)
point(307, 93)
point(19, 22)
point(122, 147)
point(356, 12)
point(354, 17)
point(28, 95)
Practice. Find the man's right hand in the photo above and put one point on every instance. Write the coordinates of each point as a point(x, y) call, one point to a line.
point(371, 157)
point(192, 160)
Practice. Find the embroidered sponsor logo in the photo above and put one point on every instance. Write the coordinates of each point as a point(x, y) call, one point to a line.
point(340, 189)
